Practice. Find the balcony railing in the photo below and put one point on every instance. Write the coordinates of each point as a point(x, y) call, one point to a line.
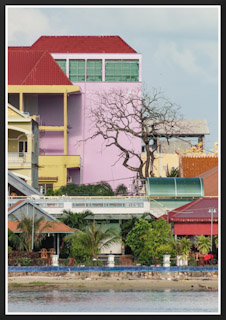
point(18, 157)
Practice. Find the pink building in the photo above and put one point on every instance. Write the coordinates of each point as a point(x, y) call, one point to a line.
point(95, 64)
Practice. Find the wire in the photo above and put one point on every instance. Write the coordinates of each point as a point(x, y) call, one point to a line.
point(98, 182)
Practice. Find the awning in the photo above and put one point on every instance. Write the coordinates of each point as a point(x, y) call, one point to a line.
point(174, 187)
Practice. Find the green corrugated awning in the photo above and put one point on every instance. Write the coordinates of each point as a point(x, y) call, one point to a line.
point(174, 187)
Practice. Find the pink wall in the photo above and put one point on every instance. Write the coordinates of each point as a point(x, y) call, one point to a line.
point(98, 162)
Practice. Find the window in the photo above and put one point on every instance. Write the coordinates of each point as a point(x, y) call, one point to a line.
point(51, 205)
point(22, 146)
point(94, 70)
point(62, 64)
point(77, 70)
point(122, 70)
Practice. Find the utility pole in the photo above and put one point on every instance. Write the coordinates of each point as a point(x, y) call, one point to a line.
point(167, 214)
point(32, 225)
point(212, 211)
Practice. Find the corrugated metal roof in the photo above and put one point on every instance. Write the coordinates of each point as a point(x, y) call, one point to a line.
point(21, 185)
point(34, 68)
point(197, 210)
point(82, 44)
point(174, 187)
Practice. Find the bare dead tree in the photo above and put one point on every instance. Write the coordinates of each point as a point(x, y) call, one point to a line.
point(120, 116)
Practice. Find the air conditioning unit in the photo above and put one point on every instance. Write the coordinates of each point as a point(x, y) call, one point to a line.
point(69, 179)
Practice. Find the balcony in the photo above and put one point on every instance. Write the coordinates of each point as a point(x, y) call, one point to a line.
point(18, 158)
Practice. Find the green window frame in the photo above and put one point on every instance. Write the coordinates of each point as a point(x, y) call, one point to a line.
point(122, 70)
point(94, 70)
point(62, 64)
point(77, 70)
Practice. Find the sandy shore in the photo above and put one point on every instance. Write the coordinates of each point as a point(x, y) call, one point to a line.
point(67, 283)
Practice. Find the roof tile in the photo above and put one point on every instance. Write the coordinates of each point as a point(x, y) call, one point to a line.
point(34, 68)
point(82, 44)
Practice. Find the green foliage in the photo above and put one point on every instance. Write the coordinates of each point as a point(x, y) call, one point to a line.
point(86, 245)
point(192, 262)
point(101, 189)
point(163, 249)
point(25, 261)
point(183, 246)
point(135, 238)
point(121, 190)
point(173, 173)
point(9, 248)
point(216, 241)
point(203, 244)
point(15, 241)
point(27, 225)
point(77, 220)
point(150, 240)
point(77, 248)
point(127, 226)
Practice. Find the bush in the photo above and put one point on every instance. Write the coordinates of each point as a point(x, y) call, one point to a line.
point(24, 261)
point(192, 262)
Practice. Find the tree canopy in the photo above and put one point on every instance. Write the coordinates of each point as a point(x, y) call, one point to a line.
point(135, 115)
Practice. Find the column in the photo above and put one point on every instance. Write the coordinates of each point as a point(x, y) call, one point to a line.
point(65, 123)
point(58, 244)
point(21, 102)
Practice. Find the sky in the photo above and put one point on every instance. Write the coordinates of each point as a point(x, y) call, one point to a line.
point(179, 46)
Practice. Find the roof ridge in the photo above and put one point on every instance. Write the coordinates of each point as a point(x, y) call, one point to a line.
point(37, 62)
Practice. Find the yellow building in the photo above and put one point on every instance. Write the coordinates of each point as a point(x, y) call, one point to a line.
point(53, 170)
point(163, 163)
point(23, 146)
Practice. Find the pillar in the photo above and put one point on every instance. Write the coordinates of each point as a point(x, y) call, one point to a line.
point(58, 244)
point(65, 123)
point(21, 102)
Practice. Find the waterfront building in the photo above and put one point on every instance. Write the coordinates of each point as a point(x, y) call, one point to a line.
point(56, 80)
point(195, 218)
point(27, 208)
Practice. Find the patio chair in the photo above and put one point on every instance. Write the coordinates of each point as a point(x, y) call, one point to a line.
point(51, 251)
point(44, 254)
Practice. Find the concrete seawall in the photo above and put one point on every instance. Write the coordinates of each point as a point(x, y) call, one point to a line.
point(177, 273)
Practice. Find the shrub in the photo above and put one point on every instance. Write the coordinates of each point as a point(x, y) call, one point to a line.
point(192, 262)
point(24, 261)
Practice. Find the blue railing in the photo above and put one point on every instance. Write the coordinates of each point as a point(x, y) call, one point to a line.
point(110, 269)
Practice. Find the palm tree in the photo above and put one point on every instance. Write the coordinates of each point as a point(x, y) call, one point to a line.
point(29, 227)
point(15, 241)
point(95, 238)
point(76, 220)
point(203, 244)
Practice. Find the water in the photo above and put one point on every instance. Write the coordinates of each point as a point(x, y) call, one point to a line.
point(56, 301)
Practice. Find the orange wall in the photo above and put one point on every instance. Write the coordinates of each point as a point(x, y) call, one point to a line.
point(194, 166)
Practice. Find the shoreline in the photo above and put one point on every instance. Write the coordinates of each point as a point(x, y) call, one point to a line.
point(68, 283)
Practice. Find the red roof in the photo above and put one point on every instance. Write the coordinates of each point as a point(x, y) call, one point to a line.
point(82, 44)
point(15, 205)
point(210, 181)
point(197, 210)
point(56, 226)
point(34, 68)
point(192, 166)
